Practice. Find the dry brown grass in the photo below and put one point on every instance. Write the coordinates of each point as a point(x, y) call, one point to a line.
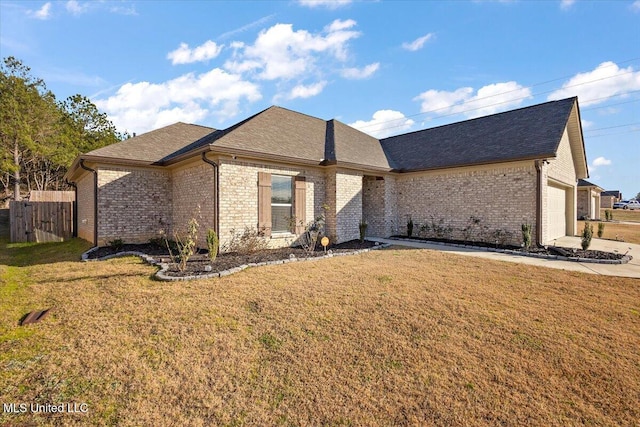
point(395, 337)
point(623, 215)
point(613, 231)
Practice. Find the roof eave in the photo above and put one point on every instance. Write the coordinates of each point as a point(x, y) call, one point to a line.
point(484, 163)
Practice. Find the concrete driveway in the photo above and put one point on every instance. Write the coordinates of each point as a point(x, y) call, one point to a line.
point(631, 269)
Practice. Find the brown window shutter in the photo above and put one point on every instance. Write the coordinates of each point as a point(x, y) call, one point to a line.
point(300, 203)
point(264, 203)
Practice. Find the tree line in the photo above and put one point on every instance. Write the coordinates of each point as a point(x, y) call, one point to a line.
point(40, 136)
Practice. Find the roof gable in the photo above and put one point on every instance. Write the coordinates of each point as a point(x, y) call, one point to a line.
point(525, 133)
point(354, 147)
point(276, 131)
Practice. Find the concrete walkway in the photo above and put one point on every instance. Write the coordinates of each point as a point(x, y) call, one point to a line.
point(631, 269)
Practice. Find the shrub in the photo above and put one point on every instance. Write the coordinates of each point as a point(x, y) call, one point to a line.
point(526, 235)
point(409, 227)
point(471, 230)
point(363, 229)
point(424, 230)
point(600, 229)
point(586, 235)
point(212, 244)
point(117, 244)
point(185, 245)
point(608, 215)
point(250, 240)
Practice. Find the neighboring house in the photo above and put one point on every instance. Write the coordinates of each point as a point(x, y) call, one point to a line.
point(608, 198)
point(588, 200)
point(506, 169)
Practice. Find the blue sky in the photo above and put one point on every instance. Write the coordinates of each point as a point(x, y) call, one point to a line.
point(386, 67)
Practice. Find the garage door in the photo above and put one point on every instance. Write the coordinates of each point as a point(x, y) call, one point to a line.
point(593, 207)
point(556, 212)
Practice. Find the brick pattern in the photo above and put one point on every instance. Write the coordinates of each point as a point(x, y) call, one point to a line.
point(390, 206)
point(133, 204)
point(85, 207)
point(239, 195)
point(584, 203)
point(348, 205)
point(502, 198)
point(193, 190)
point(373, 205)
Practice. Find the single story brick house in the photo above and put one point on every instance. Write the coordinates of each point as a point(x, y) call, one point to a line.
point(588, 200)
point(497, 172)
point(608, 198)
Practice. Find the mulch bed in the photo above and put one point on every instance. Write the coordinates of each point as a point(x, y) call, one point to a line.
point(539, 250)
point(198, 263)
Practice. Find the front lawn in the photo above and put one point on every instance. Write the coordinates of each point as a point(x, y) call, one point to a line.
point(613, 231)
point(391, 337)
point(623, 215)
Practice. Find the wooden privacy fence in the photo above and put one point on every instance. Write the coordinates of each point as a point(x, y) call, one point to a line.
point(41, 221)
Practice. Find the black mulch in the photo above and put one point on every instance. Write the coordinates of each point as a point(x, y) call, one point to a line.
point(198, 262)
point(542, 250)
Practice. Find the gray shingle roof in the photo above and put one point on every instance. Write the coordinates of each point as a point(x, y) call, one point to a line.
point(614, 193)
point(585, 183)
point(156, 145)
point(525, 133)
point(354, 146)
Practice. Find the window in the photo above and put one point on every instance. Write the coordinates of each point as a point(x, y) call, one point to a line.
point(281, 198)
point(281, 203)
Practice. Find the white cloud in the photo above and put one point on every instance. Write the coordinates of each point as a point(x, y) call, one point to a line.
point(418, 43)
point(144, 106)
point(186, 55)
point(487, 100)
point(124, 10)
point(594, 87)
point(302, 91)
point(279, 52)
point(360, 73)
point(600, 161)
point(635, 6)
point(43, 13)
point(586, 124)
point(384, 123)
point(566, 4)
point(329, 4)
point(76, 8)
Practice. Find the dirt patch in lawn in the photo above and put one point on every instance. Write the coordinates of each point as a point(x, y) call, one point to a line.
point(200, 264)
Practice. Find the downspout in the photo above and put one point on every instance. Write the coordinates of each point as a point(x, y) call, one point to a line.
point(75, 207)
point(539, 184)
point(95, 200)
point(216, 185)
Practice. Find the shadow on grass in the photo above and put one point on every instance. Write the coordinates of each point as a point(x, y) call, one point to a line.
point(26, 254)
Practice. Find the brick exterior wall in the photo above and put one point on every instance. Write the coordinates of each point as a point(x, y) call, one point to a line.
point(502, 198)
point(584, 203)
point(606, 202)
point(133, 204)
point(373, 205)
point(85, 207)
point(239, 196)
point(193, 189)
point(348, 205)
